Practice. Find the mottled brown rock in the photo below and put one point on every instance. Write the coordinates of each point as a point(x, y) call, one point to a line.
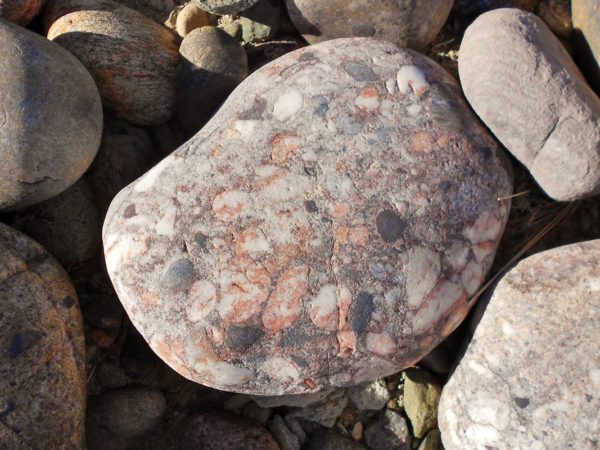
point(586, 22)
point(50, 118)
point(223, 431)
point(42, 376)
point(20, 11)
point(407, 23)
point(530, 377)
point(325, 228)
point(524, 85)
point(212, 65)
point(132, 58)
point(225, 6)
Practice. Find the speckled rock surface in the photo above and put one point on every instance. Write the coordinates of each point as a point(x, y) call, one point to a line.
point(421, 397)
point(531, 376)
point(586, 21)
point(225, 6)
point(20, 11)
point(553, 125)
point(388, 431)
point(50, 118)
point(68, 225)
point(212, 65)
point(324, 229)
point(407, 23)
point(133, 59)
point(220, 431)
point(158, 10)
point(42, 376)
point(189, 18)
point(477, 7)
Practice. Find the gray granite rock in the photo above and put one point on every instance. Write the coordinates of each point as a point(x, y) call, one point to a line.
point(225, 6)
point(286, 439)
point(421, 397)
point(42, 372)
point(530, 377)
point(388, 431)
point(68, 225)
point(324, 229)
point(407, 23)
point(133, 59)
point(370, 396)
point(325, 412)
point(551, 122)
point(212, 65)
point(50, 118)
point(20, 11)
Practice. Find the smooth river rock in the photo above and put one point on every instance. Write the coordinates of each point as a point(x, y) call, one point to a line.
point(133, 59)
point(42, 376)
point(225, 6)
point(20, 11)
point(407, 23)
point(523, 84)
point(325, 228)
point(50, 118)
point(530, 378)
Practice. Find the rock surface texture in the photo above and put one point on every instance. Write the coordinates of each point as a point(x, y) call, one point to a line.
point(225, 6)
point(50, 118)
point(42, 376)
point(406, 23)
point(531, 376)
point(586, 22)
point(553, 125)
point(133, 59)
point(20, 11)
point(325, 228)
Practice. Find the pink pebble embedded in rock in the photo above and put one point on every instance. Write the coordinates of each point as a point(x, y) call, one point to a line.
point(301, 241)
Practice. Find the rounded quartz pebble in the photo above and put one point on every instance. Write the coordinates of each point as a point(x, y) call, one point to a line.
point(225, 431)
point(50, 118)
point(545, 313)
point(407, 23)
point(325, 228)
point(20, 12)
point(222, 7)
point(553, 125)
point(133, 59)
point(42, 376)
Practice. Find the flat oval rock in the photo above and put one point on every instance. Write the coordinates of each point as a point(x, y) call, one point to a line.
point(222, 7)
point(132, 58)
point(523, 84)
point(407, 23)
point(50, 118)
point(20, 11)
point(530, 377)
point(325, 228)
point(42, 373)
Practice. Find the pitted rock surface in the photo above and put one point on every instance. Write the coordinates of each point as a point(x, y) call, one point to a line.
point(325, 228)
point(407, 23)
point(133, 59)
point(20, 11)
point(530, 377)
point(50, 118)
point(222, 7)
point(553, 125)
point(42, 376)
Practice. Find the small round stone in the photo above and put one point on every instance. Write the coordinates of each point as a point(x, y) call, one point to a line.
point(190, 18)
point(50, 118)
point(322, 252)
point(42, 362)
point(222, 7)
point(20, 12)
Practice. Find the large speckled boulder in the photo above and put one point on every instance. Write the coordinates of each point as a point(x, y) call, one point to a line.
point(42, 376)
point(586, 22)
point(20, 11)
point(406, 23)
point(530, 378)
point(325, 228)
point(132, 58)
point(50, 118)
point(553, 125)
point(225, 6)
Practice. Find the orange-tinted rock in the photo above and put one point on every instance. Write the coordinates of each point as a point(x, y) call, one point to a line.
point(20, 12)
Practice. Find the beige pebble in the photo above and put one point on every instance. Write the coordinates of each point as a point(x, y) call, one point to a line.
point(190, 18)
point(357, 431)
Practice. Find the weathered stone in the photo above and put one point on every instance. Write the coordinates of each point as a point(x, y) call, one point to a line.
point(212, 65)
point(370, 396)
point(530, 377)
point(256, 413)
point(407, 23)
point(157, 10)
point(586, 22)
point(190, 18)
point(332, 218)
point(421, 397)
point(477, 7)
point(326, 412)
point(553, 125)
point(20, 11)
point(42, 374)
point(283, 435)
point(117, 418)
point(256, 24)
point(331, 440)
point(133, 59)
point(225, 6)
point(388, 431)
point(68, 225)
point(557, 15)
point(220, 431)
point(50, 118)
point(299, 400)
